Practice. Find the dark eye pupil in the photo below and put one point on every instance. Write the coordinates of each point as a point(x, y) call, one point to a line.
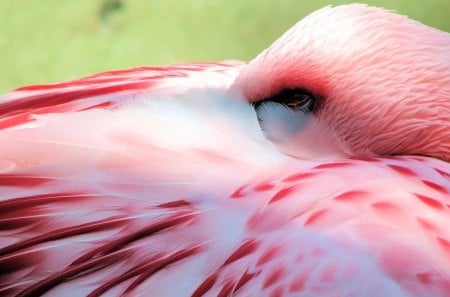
point(295, 99)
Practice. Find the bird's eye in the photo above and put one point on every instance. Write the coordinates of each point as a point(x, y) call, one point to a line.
point(295, 99)
point(284, 115)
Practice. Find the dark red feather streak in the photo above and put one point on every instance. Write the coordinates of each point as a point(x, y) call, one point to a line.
point(117, 244)
point(45, 100)
point(57, 234)
point(145, 270)
point(247, 247)
point(103, 256)
point(21, 203)
point(70, 272)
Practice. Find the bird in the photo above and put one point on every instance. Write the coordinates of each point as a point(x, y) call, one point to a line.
point(319, 168)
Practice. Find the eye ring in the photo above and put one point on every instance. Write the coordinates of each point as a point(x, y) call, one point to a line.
point(295, 99)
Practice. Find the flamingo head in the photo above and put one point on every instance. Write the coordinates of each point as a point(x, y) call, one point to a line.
point(355, 81)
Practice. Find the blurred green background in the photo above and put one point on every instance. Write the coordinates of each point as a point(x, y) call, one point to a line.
point(54, 40)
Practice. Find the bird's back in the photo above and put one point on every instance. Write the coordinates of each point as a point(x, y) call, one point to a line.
point(117, 192)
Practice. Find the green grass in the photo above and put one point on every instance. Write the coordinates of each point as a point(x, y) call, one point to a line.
point(54, 40)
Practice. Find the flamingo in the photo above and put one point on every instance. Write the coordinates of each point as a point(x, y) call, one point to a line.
point(320, 168)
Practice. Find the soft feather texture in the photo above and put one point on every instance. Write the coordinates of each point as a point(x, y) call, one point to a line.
point(199, 165)
point(160, 181)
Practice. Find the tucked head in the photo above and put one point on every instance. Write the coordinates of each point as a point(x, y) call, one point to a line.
point(380, 82)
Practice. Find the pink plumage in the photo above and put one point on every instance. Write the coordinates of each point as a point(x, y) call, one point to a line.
point(166, 181)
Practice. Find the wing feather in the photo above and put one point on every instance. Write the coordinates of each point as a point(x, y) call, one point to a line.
point(118, 185)
point(104, 90)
